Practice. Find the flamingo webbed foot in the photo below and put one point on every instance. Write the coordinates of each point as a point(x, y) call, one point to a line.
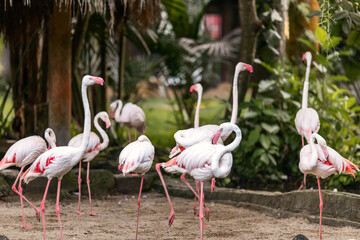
point(27, 227)
point(92, 214)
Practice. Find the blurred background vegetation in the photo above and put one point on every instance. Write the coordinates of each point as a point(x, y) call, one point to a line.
point(151, 52)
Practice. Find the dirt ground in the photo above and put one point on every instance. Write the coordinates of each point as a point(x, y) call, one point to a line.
point(117, 220)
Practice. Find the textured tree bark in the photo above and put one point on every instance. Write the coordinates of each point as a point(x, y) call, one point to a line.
point(59, 73)
point(250, 29)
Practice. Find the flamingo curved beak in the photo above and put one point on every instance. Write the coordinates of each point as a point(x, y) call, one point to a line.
point(325, 152)
point(119, 167)
point(111, 113)
point(108, 124)
point(215, 137)
point(249, 68)
point(303, 57)
point(192, 88)
point(100, 81)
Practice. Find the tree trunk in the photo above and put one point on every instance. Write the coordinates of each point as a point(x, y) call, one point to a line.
point(77, 46)
point(18, 125)
point(298, 24)
point(250, 29)
point(59, 72)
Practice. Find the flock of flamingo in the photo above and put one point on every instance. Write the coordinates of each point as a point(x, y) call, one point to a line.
point(199, 151)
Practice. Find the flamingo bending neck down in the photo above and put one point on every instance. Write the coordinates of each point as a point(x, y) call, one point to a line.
point(21, 154)
point(307, 119)
point(93, 149)
point(56, 162)
point(131, 115)
point(322, 161)
point(137, 157)
point(206, 160)
point(197, 161)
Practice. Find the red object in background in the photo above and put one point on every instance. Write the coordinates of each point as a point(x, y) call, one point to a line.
point(213, 23)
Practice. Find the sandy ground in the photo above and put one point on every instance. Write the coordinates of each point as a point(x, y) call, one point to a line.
point(117, 220)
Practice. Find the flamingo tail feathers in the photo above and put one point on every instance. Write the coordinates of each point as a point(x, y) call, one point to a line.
point(349, 167)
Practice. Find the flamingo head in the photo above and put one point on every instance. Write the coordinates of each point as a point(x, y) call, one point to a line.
point(242, 67)
point(50, 136)
point(197, 87)
point(113, 106)
point(91, 80)
point(307, 56)
point(105, 117)
point(322, 142)
point(143, 138)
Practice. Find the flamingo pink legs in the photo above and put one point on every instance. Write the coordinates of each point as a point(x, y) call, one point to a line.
point(138, 205)
point(213, 184)
point(88, 184)
point(172, 212)
point(129, 133)
point(42, 206)
point(57, 208)
point(320, 205)
point(79, 181)
point(201, 213)
point(207, 212)
point(19, 192)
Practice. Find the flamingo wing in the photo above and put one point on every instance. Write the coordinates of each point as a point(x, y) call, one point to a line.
point(137, 157)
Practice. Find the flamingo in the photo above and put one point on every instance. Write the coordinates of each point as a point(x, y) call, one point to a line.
point(307, 119)
point(322, 161)
point(188, 137)
point(93, 149)
point(207, 160)
point(21, 154)
point(137, 157)
point(131, 115)
point(56, 162)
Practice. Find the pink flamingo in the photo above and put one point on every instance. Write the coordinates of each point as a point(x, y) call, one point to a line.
point(137, 157)
point(206, 160)
point(322, 161)
point(56, 162)
point(93, 149)
point(307, 119)
point(131, 115)
point(21, 154)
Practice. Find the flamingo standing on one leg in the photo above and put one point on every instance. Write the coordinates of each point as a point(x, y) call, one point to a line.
point(21, 154)
point(137, 157)
point(188, 137)
point(56, 162)
point(93, 149)
point(206, 160)
point(307, 119)
point(131, 115)
point(322, 161)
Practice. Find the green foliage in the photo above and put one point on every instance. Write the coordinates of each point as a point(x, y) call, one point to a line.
point(269, 151)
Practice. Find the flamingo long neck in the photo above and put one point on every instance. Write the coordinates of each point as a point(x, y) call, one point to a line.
point(103, 134)
point(314, 155)
point(197, 112)
point(235, 97)
point(118, 110)
point(87, 121)
point(306, 85)
point(222, 171)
